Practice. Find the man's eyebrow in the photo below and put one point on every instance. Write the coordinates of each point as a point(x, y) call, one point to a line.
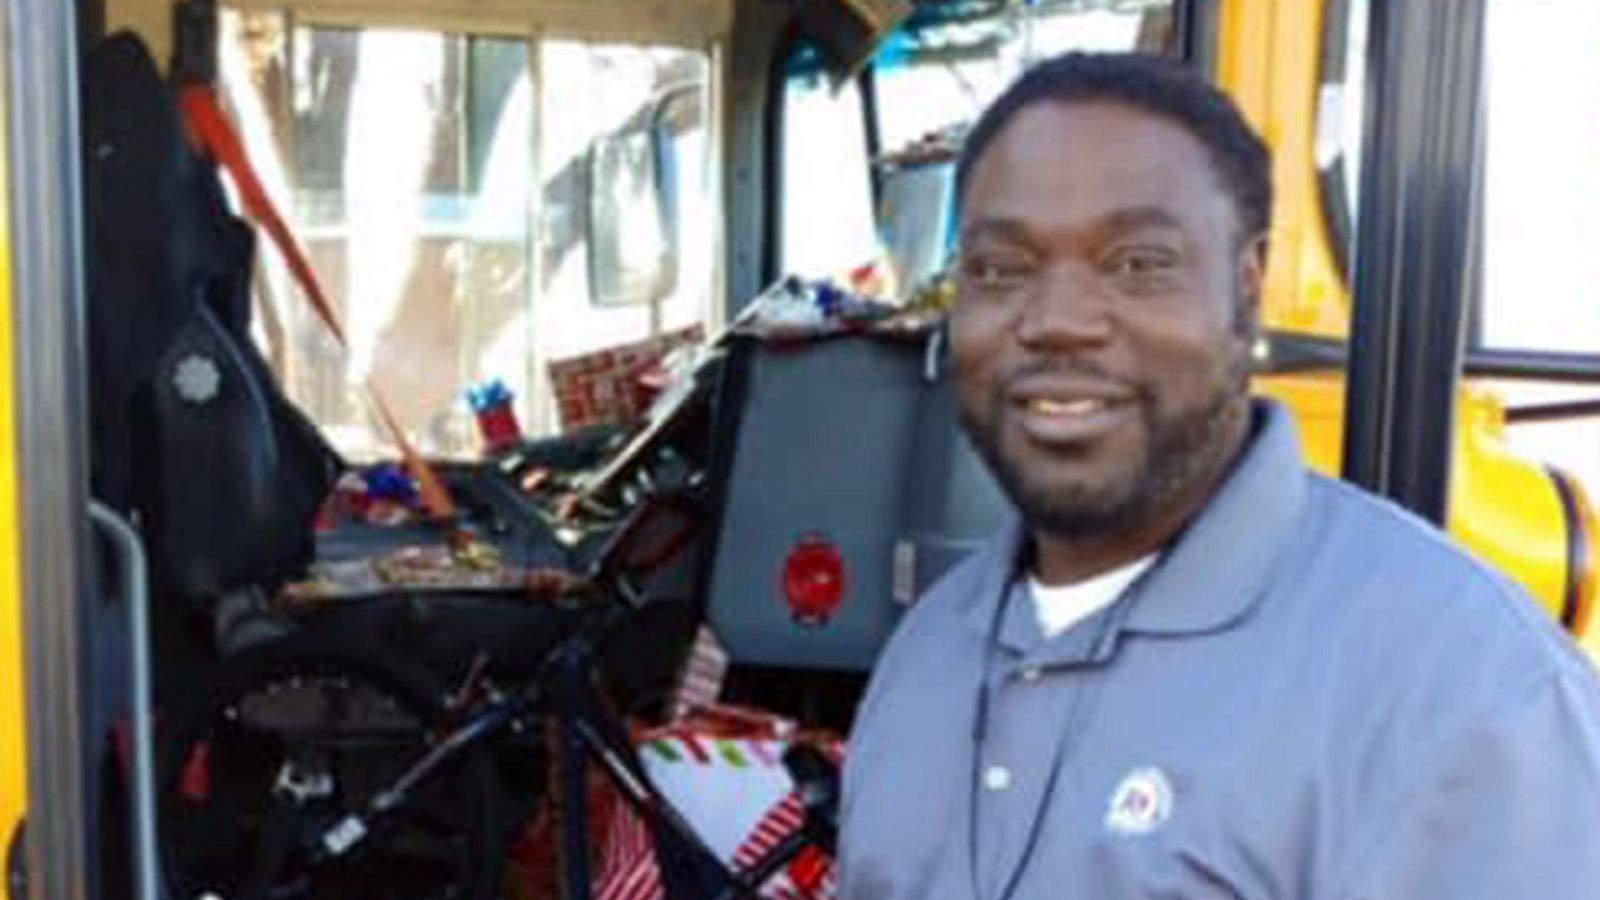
point(1134, 218)
point(994, 227)
point(1114, 223)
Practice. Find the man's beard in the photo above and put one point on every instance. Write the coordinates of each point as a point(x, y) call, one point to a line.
point(1180, 448)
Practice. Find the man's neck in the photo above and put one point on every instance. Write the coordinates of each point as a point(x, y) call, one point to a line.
point(1059, 560)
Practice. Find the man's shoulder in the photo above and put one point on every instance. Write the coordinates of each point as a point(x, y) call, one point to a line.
point(1359, 520)
point(1375, 568)
point(1366, 537)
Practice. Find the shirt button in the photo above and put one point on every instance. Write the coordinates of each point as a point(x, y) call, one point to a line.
point(1032, 673)
point(997, 778)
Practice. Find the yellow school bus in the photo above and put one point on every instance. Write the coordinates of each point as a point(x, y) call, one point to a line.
point(1431, 386)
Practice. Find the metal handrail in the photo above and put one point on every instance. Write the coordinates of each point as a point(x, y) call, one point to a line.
point(134, 590)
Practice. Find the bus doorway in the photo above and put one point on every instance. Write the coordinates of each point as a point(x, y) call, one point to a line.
point(438, 161)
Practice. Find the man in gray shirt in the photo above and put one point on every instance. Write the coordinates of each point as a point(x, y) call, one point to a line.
point(1192, 669)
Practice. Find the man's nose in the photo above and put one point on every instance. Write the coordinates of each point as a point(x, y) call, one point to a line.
point(1068, 310)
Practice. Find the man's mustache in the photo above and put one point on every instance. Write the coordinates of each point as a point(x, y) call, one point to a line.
point(1073, 368)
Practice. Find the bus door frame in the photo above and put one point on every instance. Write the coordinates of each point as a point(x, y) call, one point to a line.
point(42, 146)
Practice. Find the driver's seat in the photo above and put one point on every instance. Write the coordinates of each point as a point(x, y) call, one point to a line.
point(192, 439)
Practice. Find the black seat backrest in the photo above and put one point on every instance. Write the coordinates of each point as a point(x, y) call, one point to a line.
point(190, 434)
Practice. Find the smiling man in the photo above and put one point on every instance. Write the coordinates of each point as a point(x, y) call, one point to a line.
point(1192, 668)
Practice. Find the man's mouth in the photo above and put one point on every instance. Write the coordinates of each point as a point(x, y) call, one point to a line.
point(1063, 419)
point(1044, 406)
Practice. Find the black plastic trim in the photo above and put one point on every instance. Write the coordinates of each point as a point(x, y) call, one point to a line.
point(1553, 412)
point(727, 415)
point(867, 83)
point(1289, 352)
point(1539, 365)
point(772, 161)
point(1294, 352)
point(1416, 248)
point(17, 863)
point(1578, 560)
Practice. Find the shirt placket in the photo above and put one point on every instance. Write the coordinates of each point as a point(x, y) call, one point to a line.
point(1037, 698)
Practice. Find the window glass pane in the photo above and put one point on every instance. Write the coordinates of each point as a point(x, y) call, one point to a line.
point(1542, 191)
point(1542, 175)
point(594, 92)
point(406, 161)
point(1542, 209)
point(827, 189)
point(401, 158)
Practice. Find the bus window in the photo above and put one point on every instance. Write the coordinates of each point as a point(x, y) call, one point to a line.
point(1542, 208)
point(1542, 190)
point(380, 144)
point(1542, 168)
point(412, 165)
point(826, 228)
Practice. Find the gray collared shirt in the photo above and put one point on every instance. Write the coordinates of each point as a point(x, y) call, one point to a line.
point(1311, 696)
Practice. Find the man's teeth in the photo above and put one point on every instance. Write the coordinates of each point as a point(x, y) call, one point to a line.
point(1081, 407)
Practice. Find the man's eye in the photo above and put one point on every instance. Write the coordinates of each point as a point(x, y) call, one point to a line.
point(1142, 265)
point(991, 275)
point(1143, 262)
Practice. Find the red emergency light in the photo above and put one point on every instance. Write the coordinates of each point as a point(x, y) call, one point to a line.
point(814, 580)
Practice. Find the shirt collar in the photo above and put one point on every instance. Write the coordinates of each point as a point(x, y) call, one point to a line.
point(1219, 566)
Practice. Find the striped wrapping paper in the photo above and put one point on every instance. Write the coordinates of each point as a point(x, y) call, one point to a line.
point(700, 682)
point(736, 793)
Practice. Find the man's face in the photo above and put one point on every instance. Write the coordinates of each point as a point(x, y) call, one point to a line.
point(1106, 304)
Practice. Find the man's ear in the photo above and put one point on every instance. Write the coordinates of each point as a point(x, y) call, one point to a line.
point(1252, 277)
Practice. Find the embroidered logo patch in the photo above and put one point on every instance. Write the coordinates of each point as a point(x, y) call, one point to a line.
point(197, 379)
point(1141, 802)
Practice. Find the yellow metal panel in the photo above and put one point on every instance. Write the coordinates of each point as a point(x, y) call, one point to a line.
point(13, 745)
point(1317, 401)
point(1505, 507)
point(1268, 60)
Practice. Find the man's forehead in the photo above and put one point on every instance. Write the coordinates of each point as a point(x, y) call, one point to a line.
point(1115, 220)
point(1090, 159)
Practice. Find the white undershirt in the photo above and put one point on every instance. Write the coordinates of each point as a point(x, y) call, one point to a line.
point(1061, 607)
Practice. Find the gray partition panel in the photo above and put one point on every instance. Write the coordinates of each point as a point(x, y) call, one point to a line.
point(844, 440)
point(950, 503)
